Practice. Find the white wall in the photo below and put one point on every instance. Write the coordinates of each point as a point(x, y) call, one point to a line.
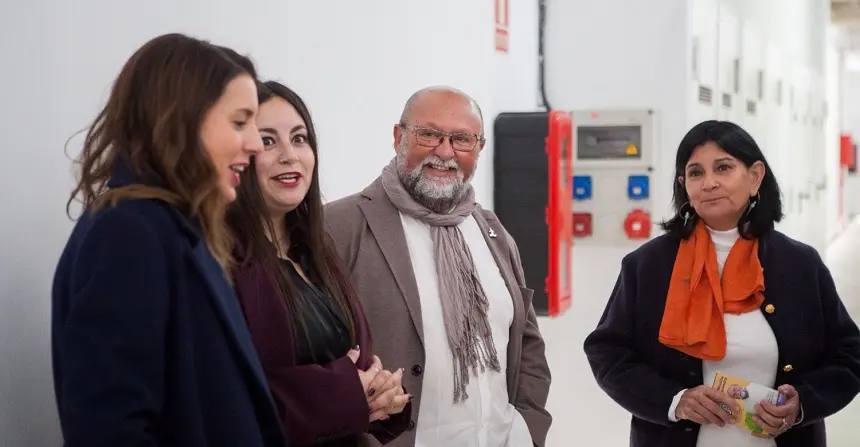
point(798, 26)
point(851, 125)
point(516, 72)
point(355, 63)
point(623, 54)
point(356, 84)
point(793, 48)
point(835, 70)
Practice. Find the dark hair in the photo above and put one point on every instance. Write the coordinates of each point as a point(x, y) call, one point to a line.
point(151, 125)
point(739, 144)
point(250, 221)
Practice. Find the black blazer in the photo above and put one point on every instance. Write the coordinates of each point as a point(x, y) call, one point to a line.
point(819, 344)
point(150, 347)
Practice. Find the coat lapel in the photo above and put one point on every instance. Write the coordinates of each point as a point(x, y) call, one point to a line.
point(495, 236)
point(227, 306)
point(386, 227)
point(223, 297)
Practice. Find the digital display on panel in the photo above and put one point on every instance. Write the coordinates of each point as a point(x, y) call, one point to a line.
point(609, 142)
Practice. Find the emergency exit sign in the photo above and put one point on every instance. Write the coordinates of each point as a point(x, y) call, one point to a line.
point(502, 25)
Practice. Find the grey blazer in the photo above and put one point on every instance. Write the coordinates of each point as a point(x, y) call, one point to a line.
point(369, 237)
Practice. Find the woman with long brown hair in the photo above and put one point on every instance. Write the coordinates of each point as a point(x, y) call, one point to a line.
point(305, 319)
point(149, 344)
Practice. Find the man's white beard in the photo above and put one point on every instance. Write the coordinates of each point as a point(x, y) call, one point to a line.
point(440, 195)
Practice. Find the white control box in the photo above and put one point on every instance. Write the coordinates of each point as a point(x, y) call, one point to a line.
point(612, 168)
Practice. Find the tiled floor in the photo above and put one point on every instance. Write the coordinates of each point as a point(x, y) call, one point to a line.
point(584, 415)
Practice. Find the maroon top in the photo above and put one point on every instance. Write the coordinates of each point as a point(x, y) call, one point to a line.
point(315, 402)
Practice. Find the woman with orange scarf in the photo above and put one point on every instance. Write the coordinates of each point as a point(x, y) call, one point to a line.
point(723, 291)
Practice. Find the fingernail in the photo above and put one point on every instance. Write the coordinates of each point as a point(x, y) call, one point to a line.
point(410, 398)
point(356, 348)
point(371, 392)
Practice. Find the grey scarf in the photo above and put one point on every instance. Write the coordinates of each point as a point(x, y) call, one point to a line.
point(464, 303)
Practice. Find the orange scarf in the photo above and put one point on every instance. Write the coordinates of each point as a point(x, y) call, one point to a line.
point(698, 298)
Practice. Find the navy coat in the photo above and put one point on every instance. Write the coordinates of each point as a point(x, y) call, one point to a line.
point(150, 347)
point(819, 344)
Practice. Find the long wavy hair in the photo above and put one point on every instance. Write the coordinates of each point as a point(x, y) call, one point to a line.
point(250, 221)
point(151, 125)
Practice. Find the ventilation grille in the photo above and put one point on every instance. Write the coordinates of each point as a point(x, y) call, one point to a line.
point(779, 92)
point(736, 76)
point(706, 95)
point(751, 107)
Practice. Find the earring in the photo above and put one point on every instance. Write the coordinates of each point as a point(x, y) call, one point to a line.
point(753, 203)
point(687, 216)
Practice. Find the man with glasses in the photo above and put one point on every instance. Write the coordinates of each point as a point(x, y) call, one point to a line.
point(442, 285)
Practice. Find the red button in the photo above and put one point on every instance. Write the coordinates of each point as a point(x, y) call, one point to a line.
point(581, 224)
point(637, 224)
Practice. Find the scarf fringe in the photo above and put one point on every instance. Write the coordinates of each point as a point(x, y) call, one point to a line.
point(474, 352)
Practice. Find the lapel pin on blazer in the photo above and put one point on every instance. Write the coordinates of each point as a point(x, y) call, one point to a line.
point(492, 233)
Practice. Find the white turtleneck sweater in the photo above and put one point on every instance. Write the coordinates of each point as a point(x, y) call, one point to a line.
point(751, 354)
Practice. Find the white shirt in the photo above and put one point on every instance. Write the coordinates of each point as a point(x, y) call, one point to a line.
point(486, 419)
point(751, 353)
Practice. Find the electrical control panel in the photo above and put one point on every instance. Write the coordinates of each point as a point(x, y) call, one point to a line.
point(612, 176)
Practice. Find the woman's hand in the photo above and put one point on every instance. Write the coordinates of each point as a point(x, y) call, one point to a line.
point(367, 377)
point(705, 405)
point(777, 419)
point(383, 389)
point(390, 398)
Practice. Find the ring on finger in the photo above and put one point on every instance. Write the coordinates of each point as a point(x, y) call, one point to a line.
point(784, 425)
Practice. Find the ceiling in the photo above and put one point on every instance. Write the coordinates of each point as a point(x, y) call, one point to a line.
point(845, 12)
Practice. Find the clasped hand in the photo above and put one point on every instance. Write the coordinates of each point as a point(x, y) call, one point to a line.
point(383, 389)
point(777, 419)
point(705, 405)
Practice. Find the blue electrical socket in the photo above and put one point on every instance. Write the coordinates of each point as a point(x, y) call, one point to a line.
point(581, 187)
point(637, 187)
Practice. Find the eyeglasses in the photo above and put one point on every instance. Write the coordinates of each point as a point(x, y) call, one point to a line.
point(460, 141)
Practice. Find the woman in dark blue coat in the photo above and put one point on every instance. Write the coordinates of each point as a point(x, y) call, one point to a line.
point(723, 293)
point(150, 347)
